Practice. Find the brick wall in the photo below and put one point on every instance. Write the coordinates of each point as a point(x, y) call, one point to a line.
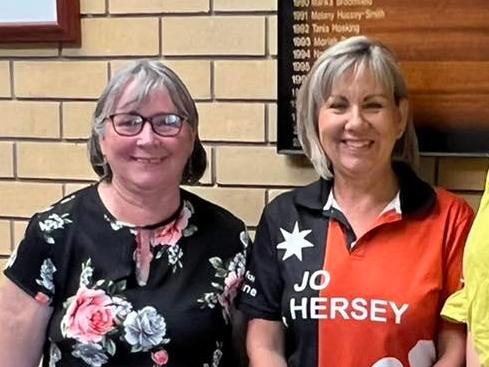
point(224, 50)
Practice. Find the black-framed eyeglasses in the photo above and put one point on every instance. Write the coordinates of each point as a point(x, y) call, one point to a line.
point(131, 124)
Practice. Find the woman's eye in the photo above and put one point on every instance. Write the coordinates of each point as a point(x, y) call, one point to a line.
point(129, 122)
point(167, 120)
point(338, 106)
point(373, 105)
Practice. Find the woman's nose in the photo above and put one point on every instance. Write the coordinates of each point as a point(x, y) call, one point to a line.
point(356, 119)
point(147, 135)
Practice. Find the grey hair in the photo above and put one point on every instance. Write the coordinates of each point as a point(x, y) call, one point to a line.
point(357, 54)
point(148, 76)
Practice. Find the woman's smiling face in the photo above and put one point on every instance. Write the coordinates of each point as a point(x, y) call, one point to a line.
point(147, 161)
point(359, 124)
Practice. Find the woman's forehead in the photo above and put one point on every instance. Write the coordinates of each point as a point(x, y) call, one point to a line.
point(135, 94)
point(360, 76)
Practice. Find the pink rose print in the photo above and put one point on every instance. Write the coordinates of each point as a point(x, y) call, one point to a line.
point(172, 232)
point(160, 358)
point(231, 285)
point(90, 316)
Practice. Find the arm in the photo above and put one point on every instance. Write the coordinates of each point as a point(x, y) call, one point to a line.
point(265, 344)
point(472, 357)
point(451, 338)
point(24, 322)
point(451, 345)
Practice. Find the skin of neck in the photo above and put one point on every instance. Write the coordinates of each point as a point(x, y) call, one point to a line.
point(139, 206)
point(365, 193)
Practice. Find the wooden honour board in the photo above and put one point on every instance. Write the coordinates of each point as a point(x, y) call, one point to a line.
point(443, 49)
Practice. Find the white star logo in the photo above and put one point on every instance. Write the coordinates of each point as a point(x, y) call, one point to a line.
point(294, 242)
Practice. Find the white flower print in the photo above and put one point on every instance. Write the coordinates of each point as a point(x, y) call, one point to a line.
point(86, 274)
point(209, 299)
point(122, 308)
point(99, 315)
point(230, 277)
point(52, 223)
point(423, 354)
point(245, 238)
point(145, 329)
point(216, 356)
point(91, 353)
point(175, 253)
point(47, 274)
point(54, 355)
point(116, 225)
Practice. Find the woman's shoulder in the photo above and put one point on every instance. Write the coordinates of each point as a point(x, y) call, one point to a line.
point(68, 204)
point(60, 215)
point(211, 212)
point(453, 203)
point(310, 197)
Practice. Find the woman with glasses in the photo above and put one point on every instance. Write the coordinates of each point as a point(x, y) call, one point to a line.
point(134, 270)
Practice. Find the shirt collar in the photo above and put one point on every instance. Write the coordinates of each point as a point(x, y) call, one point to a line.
point(416, 197)
point(394, 204)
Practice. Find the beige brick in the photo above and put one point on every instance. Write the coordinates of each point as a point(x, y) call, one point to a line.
point(22, 199)
point(272, 35)
point(77, 119)
point(72, 187)
point(272, 122)
point(462, 173)
point(427, 169)
point(246, 204)
point(19, 231)
point(28, 50)
point(5, 237)
point(60, 79)
point(21, 119)
point(92, 6)
point(272, 194)
point(232, 122)
point(245, 79)
point(207, 177)
point(213, 35)
point(53, 160)
point(158, 6)
point(245, 5)
point(4, 79)
point(261, 166)
point(117, 37)
point(472, 198)
point(6, 159)
point(196, 74)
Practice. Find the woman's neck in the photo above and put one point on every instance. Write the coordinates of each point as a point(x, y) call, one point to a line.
point(137, 206)
point(366, 193)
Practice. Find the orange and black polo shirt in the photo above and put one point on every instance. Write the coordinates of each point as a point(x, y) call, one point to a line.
point(354, 302)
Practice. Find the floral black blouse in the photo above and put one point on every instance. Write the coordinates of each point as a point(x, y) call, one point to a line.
point(129, 296)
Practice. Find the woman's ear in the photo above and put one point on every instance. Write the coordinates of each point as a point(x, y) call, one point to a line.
point(403, 116)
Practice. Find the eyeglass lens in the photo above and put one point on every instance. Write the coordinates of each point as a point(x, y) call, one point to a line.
point(130, 124)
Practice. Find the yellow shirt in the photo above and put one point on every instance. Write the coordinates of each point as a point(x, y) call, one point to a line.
point(471, 304)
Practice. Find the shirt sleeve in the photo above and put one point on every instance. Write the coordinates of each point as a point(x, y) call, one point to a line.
point(261, 291)
point(454, 249)
point(31, 266)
